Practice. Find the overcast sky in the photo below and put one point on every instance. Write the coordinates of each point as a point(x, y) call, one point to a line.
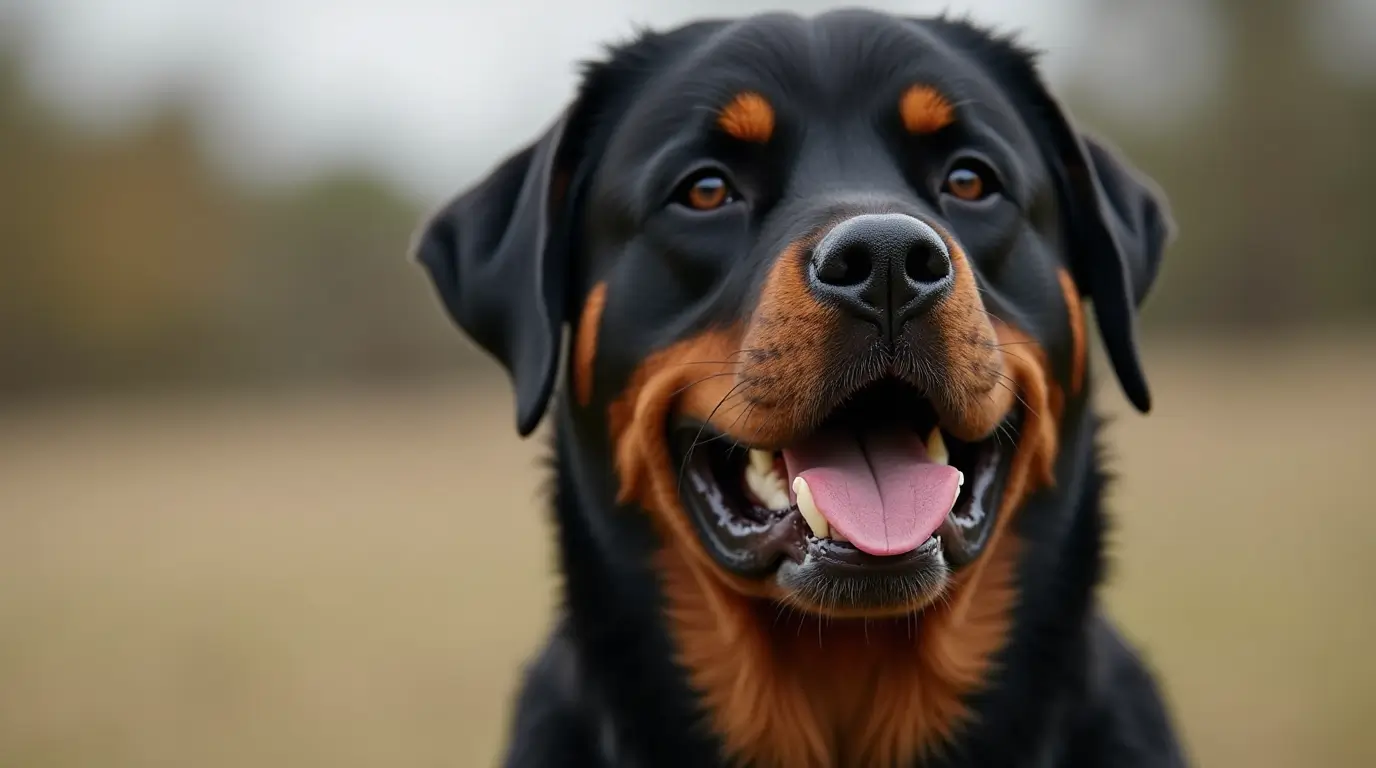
point(429, 92)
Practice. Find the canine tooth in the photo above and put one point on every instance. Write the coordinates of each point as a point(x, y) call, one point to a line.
point(936, 447)
point(820, 528)
point(960, 479)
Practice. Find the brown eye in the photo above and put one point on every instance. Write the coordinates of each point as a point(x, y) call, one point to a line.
point(965, 184)
point(970, 181)
point(707, 192)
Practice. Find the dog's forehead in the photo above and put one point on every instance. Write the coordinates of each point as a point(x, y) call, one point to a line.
point(844, 65)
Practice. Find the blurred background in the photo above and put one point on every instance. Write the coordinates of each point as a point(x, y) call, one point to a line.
point(261, 505)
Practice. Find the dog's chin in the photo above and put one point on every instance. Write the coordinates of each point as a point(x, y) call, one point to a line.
point(869, 514)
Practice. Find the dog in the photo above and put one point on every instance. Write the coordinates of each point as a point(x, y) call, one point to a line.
point(827, 485)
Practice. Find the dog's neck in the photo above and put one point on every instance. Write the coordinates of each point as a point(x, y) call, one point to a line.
point(793, 690)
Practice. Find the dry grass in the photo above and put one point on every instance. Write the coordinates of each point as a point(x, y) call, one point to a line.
point(354, 579)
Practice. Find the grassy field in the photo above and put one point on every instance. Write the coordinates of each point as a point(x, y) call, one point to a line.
point(353, 579)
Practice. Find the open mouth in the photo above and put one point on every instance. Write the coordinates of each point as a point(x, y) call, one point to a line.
point(878, 503)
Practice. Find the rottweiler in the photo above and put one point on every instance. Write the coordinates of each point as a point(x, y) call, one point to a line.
point(827, 488)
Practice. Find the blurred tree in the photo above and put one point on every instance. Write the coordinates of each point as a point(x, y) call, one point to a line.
point(1280, 151)
point(112, 247)
point(327, 279)
point(1269, 184)
point(129, 260)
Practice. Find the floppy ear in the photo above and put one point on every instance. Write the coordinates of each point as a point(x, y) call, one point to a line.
point(502, 273)
point(1120, 224)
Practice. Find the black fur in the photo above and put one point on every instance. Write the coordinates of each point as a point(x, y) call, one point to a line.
point(513, 259)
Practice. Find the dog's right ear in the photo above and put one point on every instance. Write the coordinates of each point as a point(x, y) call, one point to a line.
point(1119, 225)
point(1119, 220)
point(501, 270)
point(1123, 223)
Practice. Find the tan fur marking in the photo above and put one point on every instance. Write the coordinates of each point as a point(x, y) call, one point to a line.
point(690, 377)
point(875, 692)
point(925, 110)
point(748, 117)
point(784, 688)
point(788, 343)
point(784, 692)
point(1077, 330)
point(585, 345)
point(971, 360)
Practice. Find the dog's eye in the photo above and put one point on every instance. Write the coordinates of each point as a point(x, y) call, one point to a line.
point(706, 191)
point(971, 180)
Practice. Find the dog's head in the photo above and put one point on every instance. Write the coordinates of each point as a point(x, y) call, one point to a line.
point(824, 280)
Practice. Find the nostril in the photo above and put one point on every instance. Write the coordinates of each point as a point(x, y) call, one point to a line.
point(848, 265)
point(927, 262)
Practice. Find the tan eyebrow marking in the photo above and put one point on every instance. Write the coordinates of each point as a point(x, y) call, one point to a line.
point(748, 117)
point(925, 110)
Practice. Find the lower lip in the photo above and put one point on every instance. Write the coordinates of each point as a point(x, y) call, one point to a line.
point(845, 558)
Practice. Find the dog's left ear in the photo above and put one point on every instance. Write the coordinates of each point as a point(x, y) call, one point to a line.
point(502, 271)
point(1120, 224)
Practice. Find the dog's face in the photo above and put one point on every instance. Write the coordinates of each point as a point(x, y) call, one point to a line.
point(824, 278)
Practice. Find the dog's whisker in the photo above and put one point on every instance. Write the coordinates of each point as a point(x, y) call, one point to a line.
point(1018, 357)
point(1011, 386)
point(688, 457)
point(702, 380)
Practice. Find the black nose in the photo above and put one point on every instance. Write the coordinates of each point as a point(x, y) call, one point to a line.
point(886, 268)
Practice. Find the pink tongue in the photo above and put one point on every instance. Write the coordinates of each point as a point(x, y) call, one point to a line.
point(878, 489)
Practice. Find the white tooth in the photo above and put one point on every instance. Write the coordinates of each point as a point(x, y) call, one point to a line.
point(779, 499)
point(763, 476)
point(820, 528)
point(762, 461)
point(772, 495)
point(960, 481)
point(765, 483)
point(936, 448)
point(753, 481)
point(757, 483)
point(778, 487)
